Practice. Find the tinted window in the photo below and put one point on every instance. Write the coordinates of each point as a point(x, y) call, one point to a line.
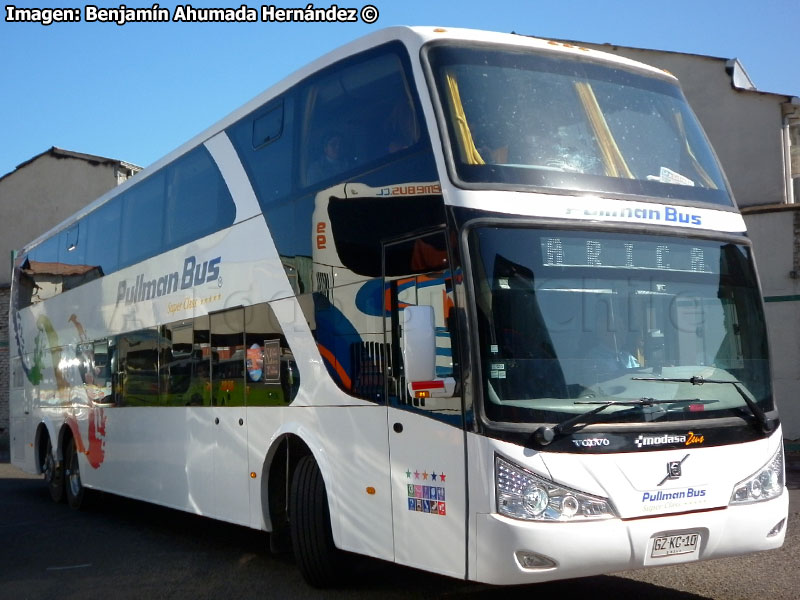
point(43, 272)
point(227, 358)
point(267, 127)
point(47, 251)
point(143, 220)
point(175, 364)
point(183, 202)
point(137, 355)
point(197, 200)
point(102, 237)
point(270, 371)
point(356, 114)
point(72, 246)
point(263, 141)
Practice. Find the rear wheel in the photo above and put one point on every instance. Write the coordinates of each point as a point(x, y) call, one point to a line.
point(72, 476)
point(320, 562)
point(53, 473)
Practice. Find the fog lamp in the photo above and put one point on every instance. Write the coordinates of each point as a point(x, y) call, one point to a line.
point(777, 529)
point(533, 561)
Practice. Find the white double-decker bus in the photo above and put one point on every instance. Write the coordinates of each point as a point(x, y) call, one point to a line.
point(475, 303)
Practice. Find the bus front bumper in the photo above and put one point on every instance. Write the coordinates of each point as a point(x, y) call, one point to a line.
point(510, 551)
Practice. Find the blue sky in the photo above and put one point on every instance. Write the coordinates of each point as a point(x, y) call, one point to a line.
point(138, 91)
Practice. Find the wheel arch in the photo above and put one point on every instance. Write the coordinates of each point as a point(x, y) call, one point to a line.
point(287, 446)
point(40, 439)
point(47, 431)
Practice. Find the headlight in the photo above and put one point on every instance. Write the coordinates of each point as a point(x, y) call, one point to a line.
point(765, 485)
point(523, 495)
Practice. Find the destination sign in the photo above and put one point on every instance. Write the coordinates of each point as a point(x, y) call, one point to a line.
point(616, 253)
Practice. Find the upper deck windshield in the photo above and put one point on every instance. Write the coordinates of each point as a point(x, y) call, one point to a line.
point(568, 320)
point(517, 118)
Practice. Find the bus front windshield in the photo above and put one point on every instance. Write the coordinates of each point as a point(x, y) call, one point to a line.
point(520, 119)
point(666, 328)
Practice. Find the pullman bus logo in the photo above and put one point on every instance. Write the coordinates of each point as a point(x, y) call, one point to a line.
point(193, 274)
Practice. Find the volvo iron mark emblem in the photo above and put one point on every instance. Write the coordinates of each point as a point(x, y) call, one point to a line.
point(674, 469)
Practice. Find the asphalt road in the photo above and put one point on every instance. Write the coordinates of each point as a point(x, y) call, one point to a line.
point(120, 548)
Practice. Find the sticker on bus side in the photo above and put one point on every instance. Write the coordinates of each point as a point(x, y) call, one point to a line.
point(430, 499)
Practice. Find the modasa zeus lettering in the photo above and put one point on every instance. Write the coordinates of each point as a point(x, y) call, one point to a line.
point(193, 273)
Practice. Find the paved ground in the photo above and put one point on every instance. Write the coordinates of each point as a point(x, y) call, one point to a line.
point(120, 548)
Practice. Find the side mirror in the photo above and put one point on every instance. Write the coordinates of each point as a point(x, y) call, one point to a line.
point(419, 343)
point(419, 355)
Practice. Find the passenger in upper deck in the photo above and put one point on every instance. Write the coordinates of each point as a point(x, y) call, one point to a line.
point(402, 129)
point(332, 159)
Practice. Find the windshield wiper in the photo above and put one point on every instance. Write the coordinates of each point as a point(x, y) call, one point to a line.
point(546, 434)
point(766, 424)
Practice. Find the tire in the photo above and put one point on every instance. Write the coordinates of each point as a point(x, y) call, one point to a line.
point(53, 473)
point(72, 477)
point(321, 564)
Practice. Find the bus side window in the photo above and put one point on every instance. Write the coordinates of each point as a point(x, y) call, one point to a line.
point(137, 353)
point(271, 375)
point(103, 237)
point(142, 220)
point(175, 363)
point(227, 358)
point(264, 143)
point(356, 114)
point(195, 187)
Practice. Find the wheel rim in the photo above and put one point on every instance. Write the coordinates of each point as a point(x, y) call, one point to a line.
point(49, 467)
point(74, 476)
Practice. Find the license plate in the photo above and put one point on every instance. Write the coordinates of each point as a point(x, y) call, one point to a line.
point(670, 545)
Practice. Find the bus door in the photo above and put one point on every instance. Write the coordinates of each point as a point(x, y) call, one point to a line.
point(425, 417)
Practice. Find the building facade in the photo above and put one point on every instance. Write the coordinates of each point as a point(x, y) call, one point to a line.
point(35, 197)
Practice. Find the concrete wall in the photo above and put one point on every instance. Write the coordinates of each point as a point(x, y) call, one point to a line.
point(776, 239)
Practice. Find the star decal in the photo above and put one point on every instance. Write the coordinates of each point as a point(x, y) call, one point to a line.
point(441, 477)
point(408, 474)
point(416, 474)
point(434, 476)
point(425, 476)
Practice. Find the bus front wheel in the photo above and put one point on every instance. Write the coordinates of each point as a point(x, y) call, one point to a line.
point(318, 559)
